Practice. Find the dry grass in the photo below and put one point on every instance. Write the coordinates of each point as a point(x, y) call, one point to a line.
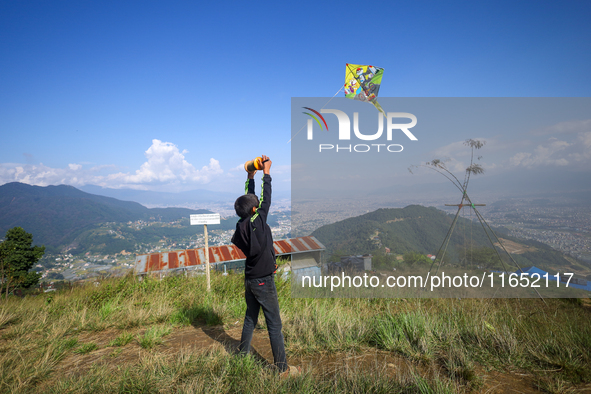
point(109, 339)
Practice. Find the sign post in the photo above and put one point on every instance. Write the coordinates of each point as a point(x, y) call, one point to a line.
point(205, 219)
point(206, 258)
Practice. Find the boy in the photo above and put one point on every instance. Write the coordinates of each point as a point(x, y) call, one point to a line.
point(253, 236)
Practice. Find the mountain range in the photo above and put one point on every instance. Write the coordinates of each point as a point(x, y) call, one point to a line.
point(56, 215)
point(186, 198)
point(416, 228)
point(152, 198)
point(63, 217)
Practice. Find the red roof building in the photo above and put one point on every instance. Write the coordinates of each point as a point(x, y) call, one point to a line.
point(190, 259)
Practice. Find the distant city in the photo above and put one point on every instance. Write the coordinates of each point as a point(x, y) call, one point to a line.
point(75, 268)
point(557, 224)
point(224, 208)
point(554, 222)
point(563, 225)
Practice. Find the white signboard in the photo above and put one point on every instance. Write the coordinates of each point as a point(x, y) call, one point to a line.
point(208, 218)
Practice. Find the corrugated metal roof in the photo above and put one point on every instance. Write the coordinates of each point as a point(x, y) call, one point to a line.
point(180, 259)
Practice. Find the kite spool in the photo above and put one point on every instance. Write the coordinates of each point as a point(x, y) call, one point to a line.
point(254, 165)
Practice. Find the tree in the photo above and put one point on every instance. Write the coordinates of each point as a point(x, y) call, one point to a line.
point(411, 258)
point(383, 261)
point(55, 276)
point(483, 257)
point(17, 257)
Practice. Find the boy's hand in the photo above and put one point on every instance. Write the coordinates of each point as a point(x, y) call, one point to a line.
point(251, 174)
point(266, 164)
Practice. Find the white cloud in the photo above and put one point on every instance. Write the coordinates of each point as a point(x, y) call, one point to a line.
point(165, 165)
point(239, 167)
point(572, 149)
point(552, 152)
point(585, 138)
point(569, 127)
point(455, 149)
point(42, 175)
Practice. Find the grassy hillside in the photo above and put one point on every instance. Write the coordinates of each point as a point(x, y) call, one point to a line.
point(421, 229)
point(172, 336)
point(414, 228)
point(56, 215)
point(99, 240)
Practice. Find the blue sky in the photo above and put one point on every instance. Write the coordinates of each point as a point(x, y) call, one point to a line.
point(174, 95)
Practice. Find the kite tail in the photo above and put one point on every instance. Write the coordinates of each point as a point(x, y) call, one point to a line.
point(379, 107)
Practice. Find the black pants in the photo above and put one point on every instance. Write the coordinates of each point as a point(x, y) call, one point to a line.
point(262, 293)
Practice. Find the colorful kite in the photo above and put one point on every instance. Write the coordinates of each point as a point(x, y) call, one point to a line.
point(363, 83)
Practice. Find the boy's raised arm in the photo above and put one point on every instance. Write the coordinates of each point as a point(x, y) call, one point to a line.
point(249, 185)
point(265, 201)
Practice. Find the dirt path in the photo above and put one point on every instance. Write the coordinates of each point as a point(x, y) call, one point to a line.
point(203, 338)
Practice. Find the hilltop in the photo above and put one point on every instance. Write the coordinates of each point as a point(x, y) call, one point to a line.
point(423, 229)
point(57, 215)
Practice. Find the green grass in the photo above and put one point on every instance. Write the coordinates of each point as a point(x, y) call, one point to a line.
point(86, 348)
point(218, 372)
point(153, 336)
point(123, 339)
point(457, 338)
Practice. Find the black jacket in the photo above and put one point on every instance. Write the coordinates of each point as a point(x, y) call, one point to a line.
point(253, 235)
